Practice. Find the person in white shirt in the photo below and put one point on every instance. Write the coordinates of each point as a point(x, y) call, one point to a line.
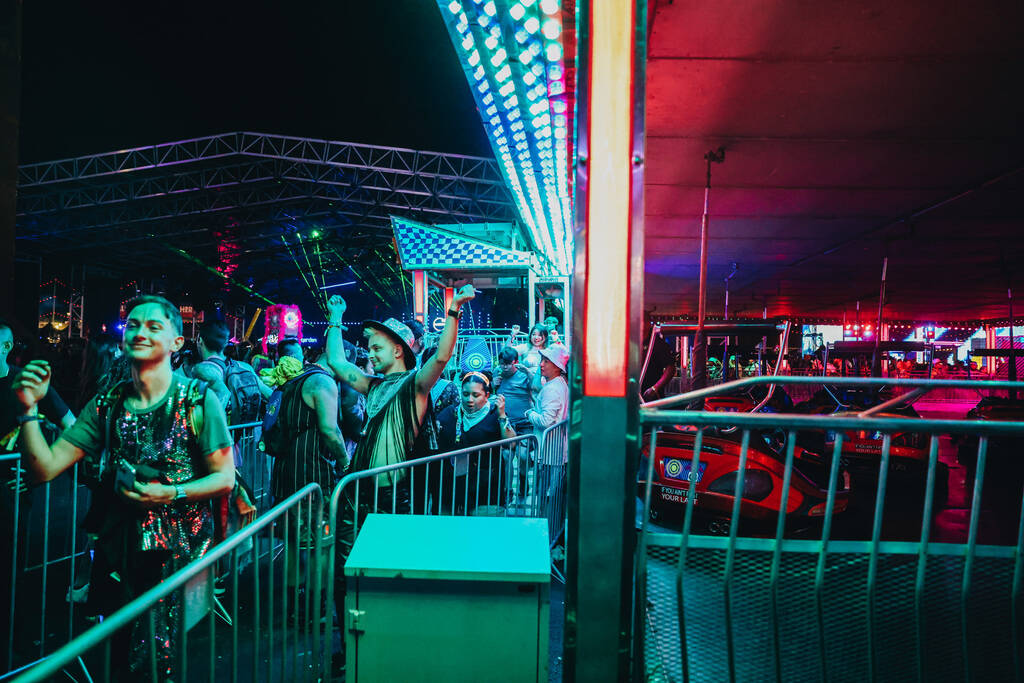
point(552, 403)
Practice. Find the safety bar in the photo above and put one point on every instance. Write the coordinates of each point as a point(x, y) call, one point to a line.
point(797, 380)
point(305, 503)
point(766, 573)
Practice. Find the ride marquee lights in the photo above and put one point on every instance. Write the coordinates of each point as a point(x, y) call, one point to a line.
point(512, 52)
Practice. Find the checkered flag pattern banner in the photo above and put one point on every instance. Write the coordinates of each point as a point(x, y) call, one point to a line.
point(422, 247)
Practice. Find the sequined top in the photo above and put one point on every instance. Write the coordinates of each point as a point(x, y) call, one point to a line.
point(162, 437)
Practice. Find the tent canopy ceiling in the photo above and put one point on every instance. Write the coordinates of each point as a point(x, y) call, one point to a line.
point(853, 130)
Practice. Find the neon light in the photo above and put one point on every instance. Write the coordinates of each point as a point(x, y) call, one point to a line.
point(608, 198)
point(535, 168)
point(552, 29)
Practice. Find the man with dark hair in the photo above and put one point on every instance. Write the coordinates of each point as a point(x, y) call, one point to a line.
point(14, 490)
point(290, 346)
point(161, 442)
point(52, 406)
point(417, 339)
point(514, 382)
point(235, 382)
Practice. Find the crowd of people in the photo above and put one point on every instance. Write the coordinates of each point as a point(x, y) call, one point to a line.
point(154, 412)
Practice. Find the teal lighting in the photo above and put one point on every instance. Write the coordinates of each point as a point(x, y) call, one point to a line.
point(512, 52)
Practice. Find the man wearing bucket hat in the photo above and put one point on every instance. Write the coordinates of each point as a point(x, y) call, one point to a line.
point(552, 403)
point(397, 404)
point(398, 396)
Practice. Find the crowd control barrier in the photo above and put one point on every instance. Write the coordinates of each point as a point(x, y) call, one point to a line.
point(274, 619)
point(47, 557)
point(283, 632)
point(882, 580)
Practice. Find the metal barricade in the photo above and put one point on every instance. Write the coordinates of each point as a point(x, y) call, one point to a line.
point(252, 462)
point(282, 633)
point(885, 584)
point(46, 561)
point(495, 340)
point(503, 478)
point(550, 491)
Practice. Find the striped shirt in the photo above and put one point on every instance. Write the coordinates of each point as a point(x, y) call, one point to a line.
point(306, 458)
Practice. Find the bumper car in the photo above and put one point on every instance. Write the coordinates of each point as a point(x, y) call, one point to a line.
point(713, 485)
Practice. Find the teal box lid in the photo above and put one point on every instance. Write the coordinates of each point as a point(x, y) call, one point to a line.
point(452, 548)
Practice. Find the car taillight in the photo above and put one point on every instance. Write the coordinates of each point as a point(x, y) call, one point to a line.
point(819, 509)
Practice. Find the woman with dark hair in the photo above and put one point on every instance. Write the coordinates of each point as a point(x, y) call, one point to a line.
point(476, 420)
point(98, 360)
point(529, 354)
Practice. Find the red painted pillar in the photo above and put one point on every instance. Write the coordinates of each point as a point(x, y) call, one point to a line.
point(419, 296)
point(607, 319)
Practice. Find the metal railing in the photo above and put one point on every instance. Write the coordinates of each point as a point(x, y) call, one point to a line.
point(519, 477)
point(49, 556)
point(523, 476)
point(889, 582)
point(45, 552)
point(251, 462)
point(283, 634)
point(495, 340)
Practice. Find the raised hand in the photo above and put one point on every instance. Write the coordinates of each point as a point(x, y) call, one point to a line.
point(499, 401)
point(465, 293)
point(336, 308)
point(32, 383)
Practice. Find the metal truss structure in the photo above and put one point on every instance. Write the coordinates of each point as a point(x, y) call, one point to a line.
point(229, 200)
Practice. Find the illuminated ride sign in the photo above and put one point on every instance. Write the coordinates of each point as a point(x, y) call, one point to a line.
point(283, 320)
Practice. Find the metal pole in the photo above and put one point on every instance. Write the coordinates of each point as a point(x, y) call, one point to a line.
point(1011, 369)
point(699, 370)
point(876, 357)
point(725, 352)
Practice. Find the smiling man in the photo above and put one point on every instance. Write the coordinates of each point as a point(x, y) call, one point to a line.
point(398, 396)
point(397, 404)
point(162, 444)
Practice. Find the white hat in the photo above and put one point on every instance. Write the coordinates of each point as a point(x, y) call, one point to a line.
point(557, 354)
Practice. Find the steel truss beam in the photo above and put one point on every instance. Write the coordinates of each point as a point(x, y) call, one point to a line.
point(121, 208)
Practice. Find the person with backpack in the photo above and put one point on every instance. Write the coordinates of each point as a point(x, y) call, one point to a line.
point(235, 382)
point(162, 446)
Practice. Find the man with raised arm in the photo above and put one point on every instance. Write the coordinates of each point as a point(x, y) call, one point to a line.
point(397, 404)
point(398, 396)
point(162, 444)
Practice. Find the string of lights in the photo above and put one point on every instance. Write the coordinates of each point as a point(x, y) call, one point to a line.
point(512, 53)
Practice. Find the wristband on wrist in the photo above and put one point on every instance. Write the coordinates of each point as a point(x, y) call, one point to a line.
point(29, 417)
point(330, 325)
point(455, 314)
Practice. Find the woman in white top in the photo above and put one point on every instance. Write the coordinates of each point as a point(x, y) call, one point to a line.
point(552, 403)
point(529, 354)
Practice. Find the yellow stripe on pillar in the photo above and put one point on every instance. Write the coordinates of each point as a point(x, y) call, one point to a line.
point(608, 198)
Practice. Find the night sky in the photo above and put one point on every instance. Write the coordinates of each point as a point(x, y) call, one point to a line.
point(103, 76)
point(98, 77)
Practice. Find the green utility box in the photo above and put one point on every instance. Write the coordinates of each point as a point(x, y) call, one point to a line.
point(448, 599)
